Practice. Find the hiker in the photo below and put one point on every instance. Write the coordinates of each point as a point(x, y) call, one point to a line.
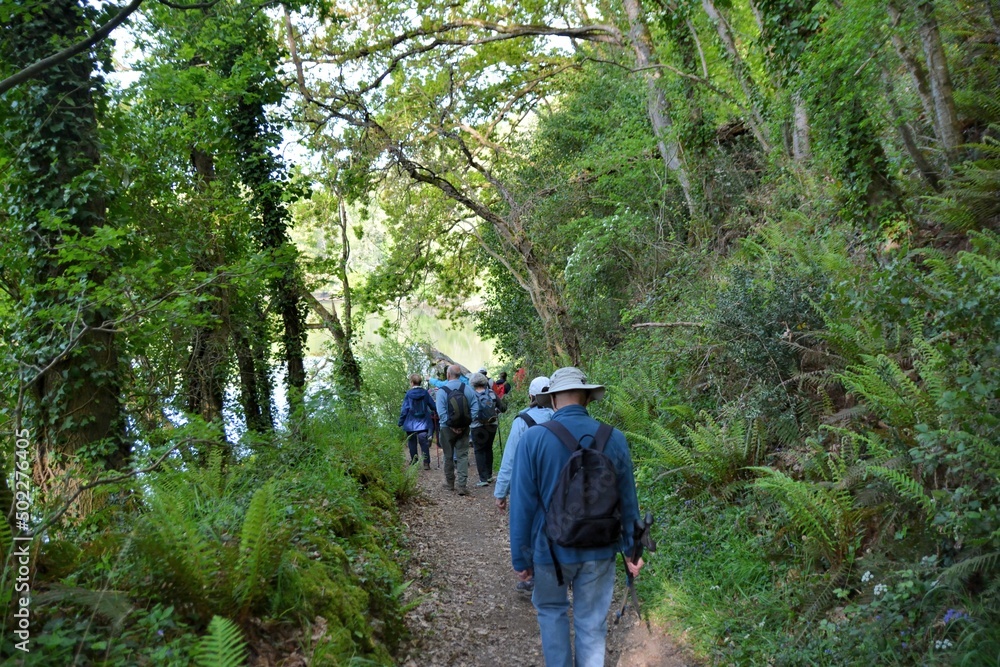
point(546, 512)
point(501, 386)
point(457, 408)
point(484, 429)
point(416, 418)
point(530, 416)
point(519, 377)
point(489, 382)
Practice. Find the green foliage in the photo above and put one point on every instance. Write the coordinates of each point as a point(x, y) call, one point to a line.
point(223, 646)
point(969, 201)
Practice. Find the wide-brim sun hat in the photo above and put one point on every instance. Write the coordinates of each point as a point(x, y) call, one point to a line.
point(568, 379)
point(538, 385)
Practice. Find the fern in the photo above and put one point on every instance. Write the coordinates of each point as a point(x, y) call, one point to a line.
point(978, 564)
point(824, 515)
point(258, 546)
point(881, 383)
point(905, 485)
point(223, 646)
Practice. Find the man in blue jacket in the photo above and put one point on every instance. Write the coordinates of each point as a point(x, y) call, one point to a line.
point(455, 438)
point(416, 417)
point(591, 572)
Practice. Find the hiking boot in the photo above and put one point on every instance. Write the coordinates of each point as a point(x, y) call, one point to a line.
point(449, 486)
point(413, 460)
point(526, 586)
point(463, 491)
point(427, 465)
point(481, 483)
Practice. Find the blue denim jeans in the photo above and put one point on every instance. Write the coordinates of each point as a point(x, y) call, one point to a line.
point(593, 585)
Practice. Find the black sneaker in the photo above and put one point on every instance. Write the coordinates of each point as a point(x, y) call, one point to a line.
point(526, 586)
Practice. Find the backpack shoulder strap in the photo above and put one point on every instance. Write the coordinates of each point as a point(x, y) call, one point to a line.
point(561, 432)
point(528, 419)
point(602, 436)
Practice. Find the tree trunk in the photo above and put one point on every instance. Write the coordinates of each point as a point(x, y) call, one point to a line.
point(925, 168)
point(207, 362)
point(800, 129)
point(75, 378)
point(755, 119)
point(942, 92)
point(349, 369)
point(657, 105)
point(255, 386)
point(913, 67)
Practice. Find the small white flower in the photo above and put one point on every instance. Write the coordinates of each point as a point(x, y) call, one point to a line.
point(866, 577)
point(761, 624)
point(880, 589)
point(943, 644)
point(714, 588)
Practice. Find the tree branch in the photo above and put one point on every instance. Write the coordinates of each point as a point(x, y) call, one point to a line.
point(650, 325)
point(35, 69)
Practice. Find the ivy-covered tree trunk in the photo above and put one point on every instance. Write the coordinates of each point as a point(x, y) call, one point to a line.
point(262, 173)
point(57, 199)
point(248, 332)
point(206, 371)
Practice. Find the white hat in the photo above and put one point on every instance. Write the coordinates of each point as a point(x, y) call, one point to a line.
point(538, 385)
point(568, 378)
point(483, 370)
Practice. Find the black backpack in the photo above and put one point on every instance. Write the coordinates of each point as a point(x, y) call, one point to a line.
point(585, 508)
point(459, 412)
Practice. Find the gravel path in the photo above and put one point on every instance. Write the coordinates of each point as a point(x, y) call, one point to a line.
point(466, 611)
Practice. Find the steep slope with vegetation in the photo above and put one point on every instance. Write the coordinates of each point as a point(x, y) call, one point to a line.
point(770, 226)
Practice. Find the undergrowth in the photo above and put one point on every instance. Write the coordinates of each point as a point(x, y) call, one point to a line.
point(817, 440)
point(294, 542)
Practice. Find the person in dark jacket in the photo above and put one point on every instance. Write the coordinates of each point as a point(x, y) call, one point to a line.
point(416, 418)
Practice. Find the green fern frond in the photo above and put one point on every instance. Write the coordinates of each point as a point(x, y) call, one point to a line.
point(905, 485)
point(977, 564)
point(258, 547)
point(223, 646)
point(801, 501)
point(881, 383)
point(670, 452)
point(212, 475)
point(630, 414)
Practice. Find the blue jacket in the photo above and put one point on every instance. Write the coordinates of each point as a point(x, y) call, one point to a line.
point(411, 403)
point(517, 429)
point(434, 382)
point(539, 460)
point(442, 400)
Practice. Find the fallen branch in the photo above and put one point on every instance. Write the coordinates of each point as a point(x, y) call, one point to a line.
point(650, 325)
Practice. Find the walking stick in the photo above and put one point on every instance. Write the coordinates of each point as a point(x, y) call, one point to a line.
point(437, 442)
point(500, 437)
point(641, 539)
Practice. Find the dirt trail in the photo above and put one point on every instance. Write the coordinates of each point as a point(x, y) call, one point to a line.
point(467, 612)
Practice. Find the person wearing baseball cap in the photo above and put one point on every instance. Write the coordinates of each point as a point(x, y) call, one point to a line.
point(590, 571)
point(531, 415)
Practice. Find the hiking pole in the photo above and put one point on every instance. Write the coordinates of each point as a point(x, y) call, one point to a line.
point(437, 442)
point(641, 538)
